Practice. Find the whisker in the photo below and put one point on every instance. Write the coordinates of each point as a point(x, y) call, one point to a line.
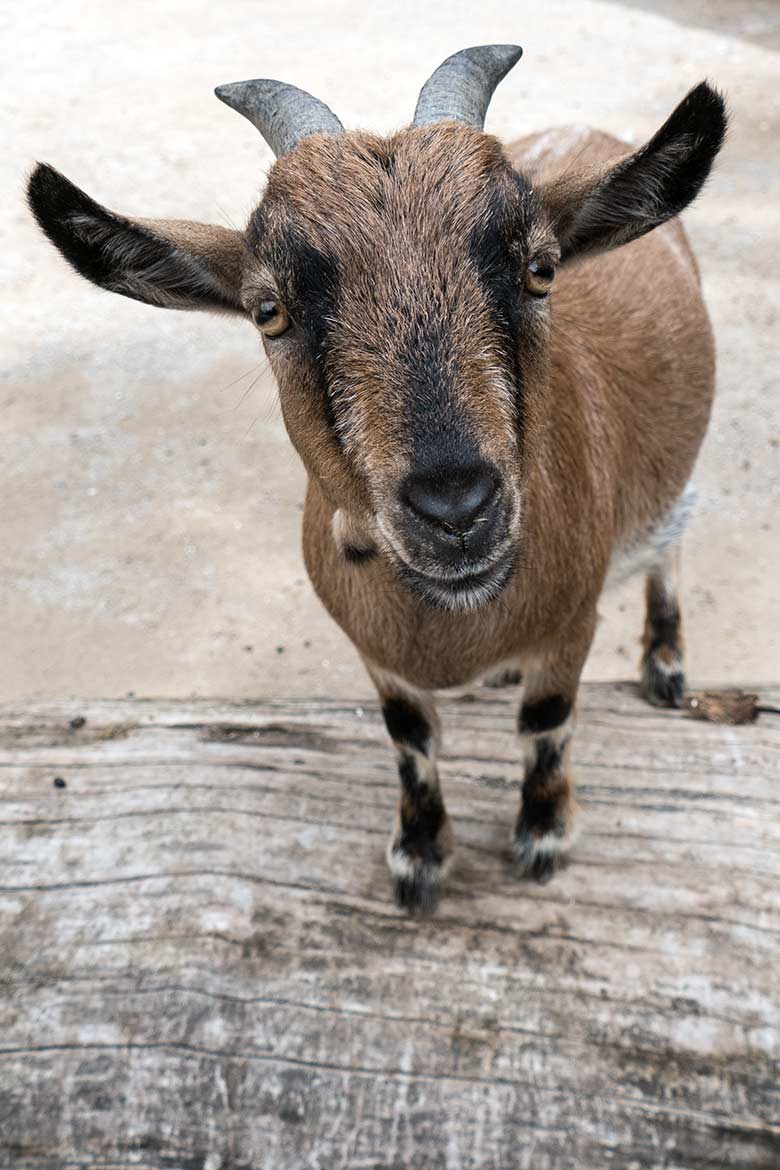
point(246, 393)
point(246, 433)
point(240, 378)
point(262, 369)
point(274, 405)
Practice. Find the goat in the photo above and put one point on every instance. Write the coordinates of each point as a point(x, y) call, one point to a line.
point(497, 403)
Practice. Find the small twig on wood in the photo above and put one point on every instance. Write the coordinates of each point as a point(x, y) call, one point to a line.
point(727, 706)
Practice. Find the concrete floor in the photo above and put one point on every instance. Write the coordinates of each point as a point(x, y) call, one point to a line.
point(150, 527)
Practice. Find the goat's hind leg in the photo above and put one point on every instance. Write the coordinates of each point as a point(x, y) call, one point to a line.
point(420, 849)
point(663, 677)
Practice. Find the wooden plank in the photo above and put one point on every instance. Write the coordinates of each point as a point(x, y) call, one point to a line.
point(202, 967)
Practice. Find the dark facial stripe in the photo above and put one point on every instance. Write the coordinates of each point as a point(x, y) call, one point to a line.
point(309, 279)
point(407, 724)
point(439, 432)
point(544, 715)
point(316, 286)
point(310, 285)
point(493, 249)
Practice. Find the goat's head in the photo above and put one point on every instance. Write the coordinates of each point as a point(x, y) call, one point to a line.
point(400, 285)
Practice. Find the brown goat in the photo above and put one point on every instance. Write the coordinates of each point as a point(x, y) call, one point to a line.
point(498, 407)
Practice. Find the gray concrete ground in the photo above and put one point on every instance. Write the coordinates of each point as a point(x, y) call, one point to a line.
point(151, 501)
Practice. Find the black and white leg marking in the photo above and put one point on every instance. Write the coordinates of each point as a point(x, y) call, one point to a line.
point(663, 676)
point(544, 826)
point(420, 849)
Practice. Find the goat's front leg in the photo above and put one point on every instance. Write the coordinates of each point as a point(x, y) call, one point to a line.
point(421, 846)
point(545, 825)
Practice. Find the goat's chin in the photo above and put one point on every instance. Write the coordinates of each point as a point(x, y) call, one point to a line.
point(462, 593)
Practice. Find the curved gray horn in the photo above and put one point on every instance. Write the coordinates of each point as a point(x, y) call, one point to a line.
point(461, 88)
point(283, 114)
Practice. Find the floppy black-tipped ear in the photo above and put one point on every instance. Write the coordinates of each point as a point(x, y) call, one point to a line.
point(175, 264)
point(614, 203)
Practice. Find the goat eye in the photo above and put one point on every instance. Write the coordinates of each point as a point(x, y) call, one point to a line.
point(271, 318)
point(539, 277)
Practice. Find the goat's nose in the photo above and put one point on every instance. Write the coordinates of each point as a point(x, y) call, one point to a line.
point(451, 499)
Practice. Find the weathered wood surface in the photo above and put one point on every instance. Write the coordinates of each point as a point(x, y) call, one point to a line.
point(202, 967)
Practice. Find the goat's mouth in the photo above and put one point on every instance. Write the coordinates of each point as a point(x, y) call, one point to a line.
point(462, 591)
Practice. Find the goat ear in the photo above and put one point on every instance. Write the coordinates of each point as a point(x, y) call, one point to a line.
point(176, 264)
point(612, 204)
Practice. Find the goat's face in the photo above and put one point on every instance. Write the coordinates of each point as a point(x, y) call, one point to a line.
point(400, 286)
point(400, 268)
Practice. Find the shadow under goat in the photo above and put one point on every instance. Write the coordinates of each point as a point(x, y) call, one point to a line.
point(498, 377)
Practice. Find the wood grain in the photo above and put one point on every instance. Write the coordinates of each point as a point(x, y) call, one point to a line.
point(201, 966)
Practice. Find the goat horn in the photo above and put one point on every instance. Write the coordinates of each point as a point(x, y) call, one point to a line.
point(461, 88)
point(283, 114)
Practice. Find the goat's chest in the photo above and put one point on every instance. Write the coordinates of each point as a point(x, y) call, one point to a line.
point(397, 632)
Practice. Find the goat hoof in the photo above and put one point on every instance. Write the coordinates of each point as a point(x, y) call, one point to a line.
point(539, 867)
point(417, 880)
point(417, 894)
point(663, 680)
point(543, 868)
point(539, 858)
